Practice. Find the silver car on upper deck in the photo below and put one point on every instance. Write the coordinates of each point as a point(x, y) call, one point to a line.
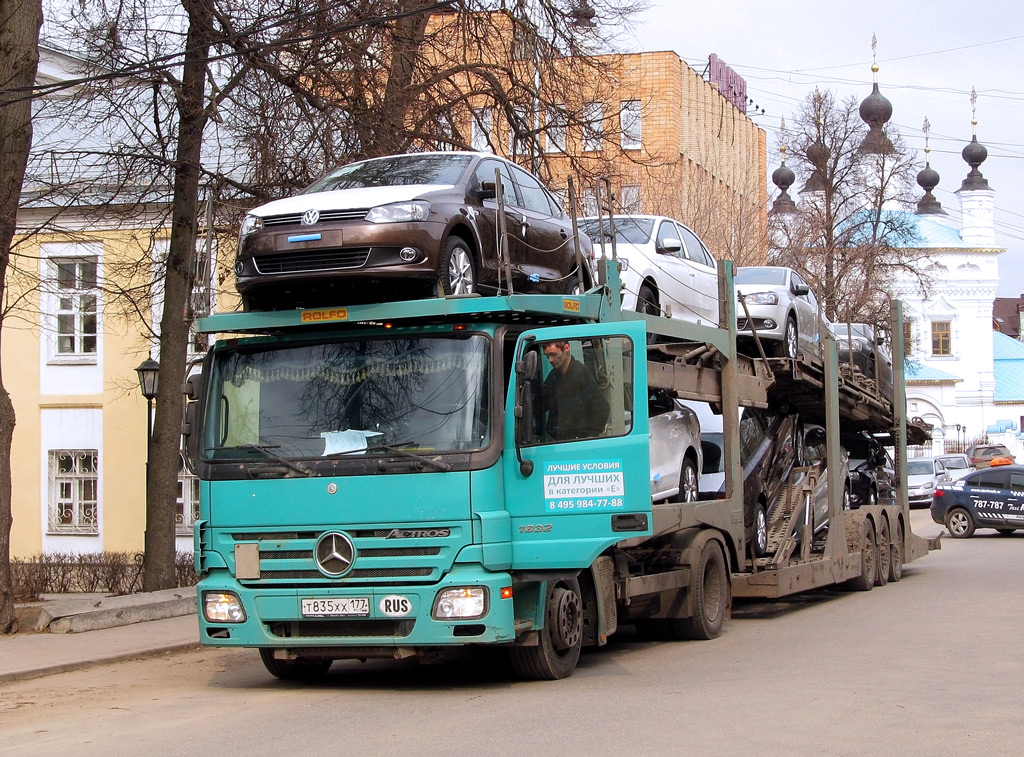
point(777, 304)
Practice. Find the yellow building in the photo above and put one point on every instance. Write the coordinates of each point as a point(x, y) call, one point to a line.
point(71, 343)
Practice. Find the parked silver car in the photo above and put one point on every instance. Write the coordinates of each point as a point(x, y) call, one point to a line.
point(924, 474)
point(675, 452)
point(957, 465)
point(666, 268)
point(782, 309)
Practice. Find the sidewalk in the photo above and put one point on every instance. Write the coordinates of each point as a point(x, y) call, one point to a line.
point(66, 634)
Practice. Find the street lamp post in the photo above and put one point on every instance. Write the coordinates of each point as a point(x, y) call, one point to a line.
point(959, 448)
point(149, 375)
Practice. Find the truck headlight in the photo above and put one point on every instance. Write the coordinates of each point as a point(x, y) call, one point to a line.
point(250, 224)
point(399, 211)
point(222, 607)
point(461, 603)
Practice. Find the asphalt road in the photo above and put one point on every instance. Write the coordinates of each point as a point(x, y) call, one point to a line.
point(929, 665)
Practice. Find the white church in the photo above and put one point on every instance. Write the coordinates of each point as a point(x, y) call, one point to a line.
point(963, 377)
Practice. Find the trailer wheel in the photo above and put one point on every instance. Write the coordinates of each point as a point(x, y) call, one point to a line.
point(294, 670)
point(960, 523)
point(558, 648)
point(709, 587)
point(896, 561)
point(869, 560)
point(884, 553)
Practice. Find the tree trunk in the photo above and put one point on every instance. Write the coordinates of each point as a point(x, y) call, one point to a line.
point(162, 477)
point(19, 58)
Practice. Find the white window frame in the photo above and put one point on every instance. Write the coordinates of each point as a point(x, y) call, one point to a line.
point(72, 312)
point(631, 200)
point(631, 125)
point(593, 127)
point(482, 124)
point(555, 130)
point(186, 504)
point(518, 147)
point(69, 500)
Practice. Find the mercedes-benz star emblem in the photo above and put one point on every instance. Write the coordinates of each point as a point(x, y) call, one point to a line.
point(334, 554)
point(310, 217)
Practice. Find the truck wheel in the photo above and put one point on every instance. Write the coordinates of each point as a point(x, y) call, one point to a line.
point(884, 553)
point(709, 587)
point(457, 272)
point(869, 560)
point(558, 648)
point(294, 670)
point(960, 523)
point(896, 561)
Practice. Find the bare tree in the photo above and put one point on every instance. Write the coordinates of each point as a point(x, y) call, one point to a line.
point(20, 21)
point(851, 234)
point(240, 102)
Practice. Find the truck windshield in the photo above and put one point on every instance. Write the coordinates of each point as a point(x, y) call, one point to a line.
point(348, 398)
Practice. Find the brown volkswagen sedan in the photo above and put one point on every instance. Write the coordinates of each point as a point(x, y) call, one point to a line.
point(408, 225)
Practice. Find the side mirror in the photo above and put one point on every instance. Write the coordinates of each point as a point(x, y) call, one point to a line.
point(193, 390)
point(488, 190)
point(527, 368)
point(670, 244)
point(801, 290)
point(527, 371)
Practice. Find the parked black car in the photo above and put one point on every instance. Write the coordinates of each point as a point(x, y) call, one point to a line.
point(406, 224)
point(989, 498)
point(872, 471)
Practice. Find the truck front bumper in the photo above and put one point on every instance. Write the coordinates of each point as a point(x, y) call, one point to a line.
point(358, 618)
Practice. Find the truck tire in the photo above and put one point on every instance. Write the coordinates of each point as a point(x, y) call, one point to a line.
point(560, 640)
point(709, 588)
point(896, 561)
point(458, 270)
point(294, 670)
point(884, 553)
point(869, 560)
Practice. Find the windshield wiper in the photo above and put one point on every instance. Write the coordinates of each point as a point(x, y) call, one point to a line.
point(269, 452)
point(438, 464)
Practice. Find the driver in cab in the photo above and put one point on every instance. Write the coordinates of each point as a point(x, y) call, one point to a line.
point(576, 405)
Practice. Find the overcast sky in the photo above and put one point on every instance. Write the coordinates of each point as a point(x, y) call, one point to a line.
point(930, 55)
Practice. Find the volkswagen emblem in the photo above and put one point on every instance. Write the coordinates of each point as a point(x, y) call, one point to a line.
point(310, 217)
point(334, 554)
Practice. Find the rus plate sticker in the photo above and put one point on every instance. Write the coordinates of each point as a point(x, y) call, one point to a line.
point(584, 485)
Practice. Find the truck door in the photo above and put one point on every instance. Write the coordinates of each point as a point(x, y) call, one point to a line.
point(576, 462)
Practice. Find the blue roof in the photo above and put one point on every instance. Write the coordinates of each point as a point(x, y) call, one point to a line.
point(925, 373)
point(1007, 368)
point(907, 229)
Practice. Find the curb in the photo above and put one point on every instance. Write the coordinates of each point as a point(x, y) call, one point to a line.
point(77, 616)
point(66, 667)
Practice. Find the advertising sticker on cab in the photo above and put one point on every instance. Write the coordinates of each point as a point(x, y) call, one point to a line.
point(590, 485)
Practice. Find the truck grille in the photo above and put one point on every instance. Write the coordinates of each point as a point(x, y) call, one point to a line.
point(311, 629)
point(326, 216)
point(286, 558)
point(312, 260)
